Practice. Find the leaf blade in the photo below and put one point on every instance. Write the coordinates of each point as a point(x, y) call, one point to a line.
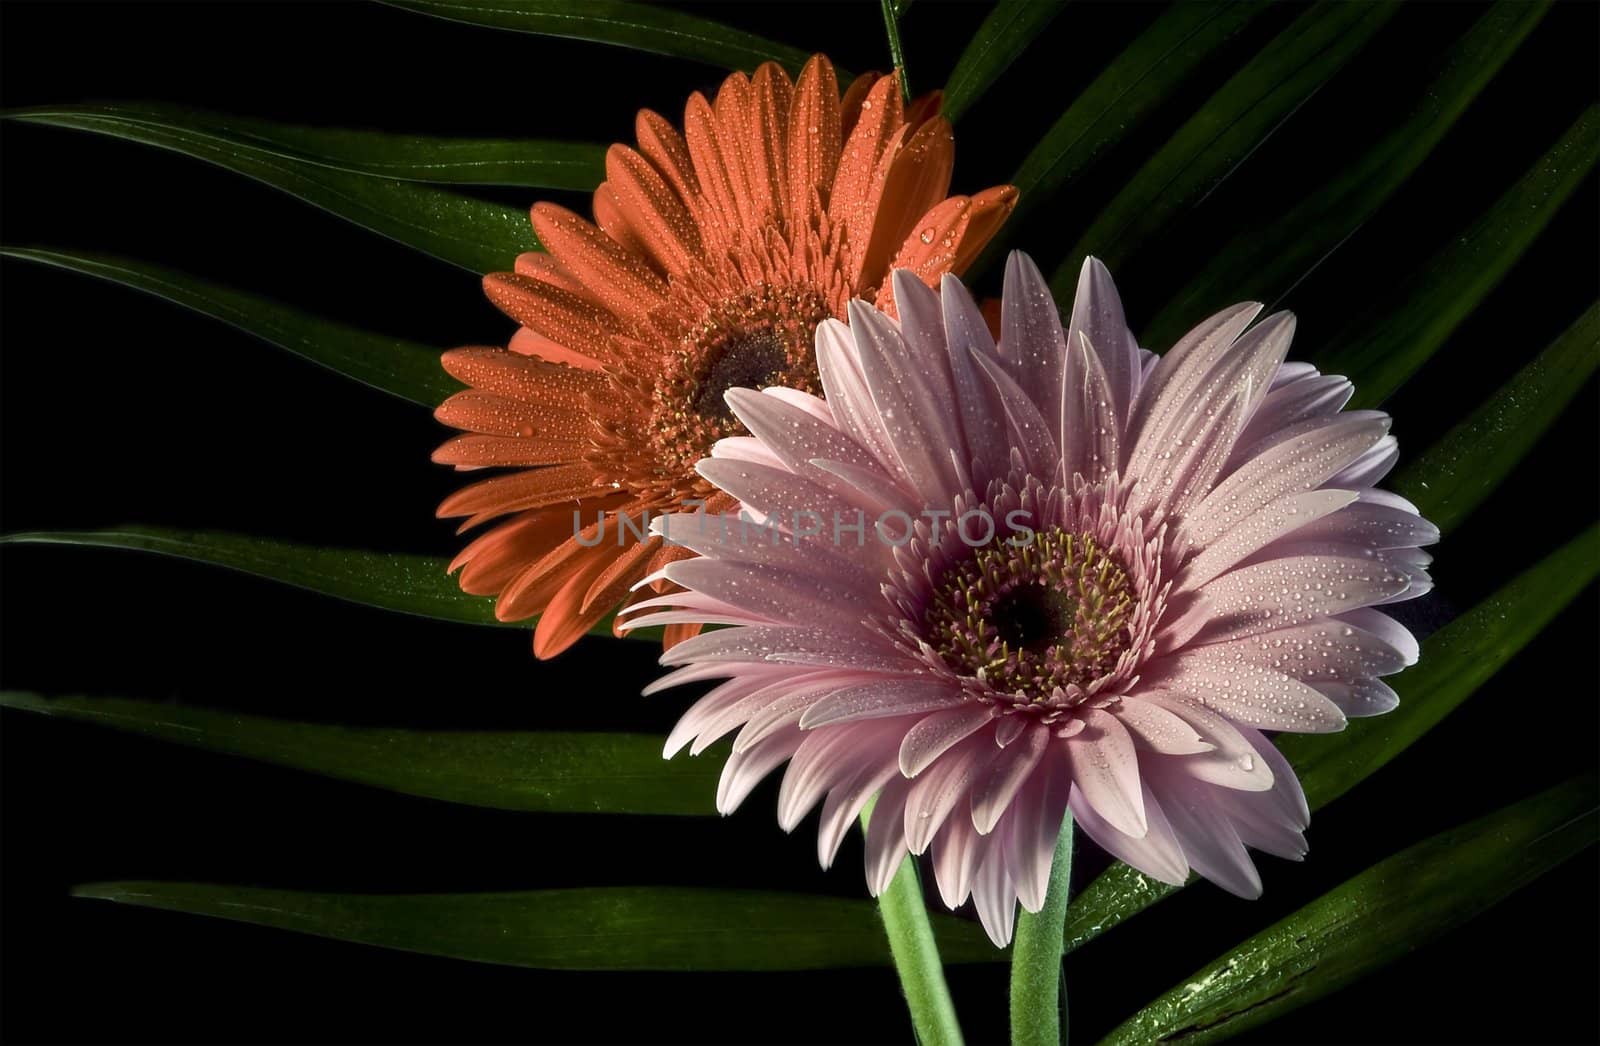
point(529, 163)
point(526, 771)
point(1265, 264)
point(1123, 96)
point(597, 928)
point(655, 28)
point(1464, 466)
point(1006, 32)
point(1390, 909)
point(401, 368)
point(1486, 637)
point(1382, 348)
point(404, 583)
point(1225, 130)
point(401, 582)
point(473, 234)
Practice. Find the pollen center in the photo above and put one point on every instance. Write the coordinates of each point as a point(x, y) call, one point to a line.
point(748, 360)
point(760, 337)
point(1040, 623)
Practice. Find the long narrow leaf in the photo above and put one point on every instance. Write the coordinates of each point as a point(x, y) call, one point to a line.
point(609, 928)
point(1127, 92)
point(401, 582)
point(402, 368)
point(505, 770)
point(1455, 661)
point(1390, 341)
point(474, 234)
point(1226, 129)
point(1265, 263)
point(1451, 478)
point(529, 162)
point(1393, 908)
point(656, 28)
point(1008, 30)
point(390, 581)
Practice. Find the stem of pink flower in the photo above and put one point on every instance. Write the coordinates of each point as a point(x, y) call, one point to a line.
point(1038, 998)
point(916, 956)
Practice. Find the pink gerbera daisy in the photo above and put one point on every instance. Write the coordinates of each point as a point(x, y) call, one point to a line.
point(989, 584)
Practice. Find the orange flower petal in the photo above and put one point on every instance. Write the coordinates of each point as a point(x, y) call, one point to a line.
point(541, 266)
point(491, 560)
point(924, 108)
point(990, 209)
point(530, 592)
point(813, 134)
point(617, 276)
point(918, 178)
point(563, 623)
point(624, 572)
point(850, 104)
point(608, 215)
point(521, 490)
point(855, 187)
point(564, 318)
point(661, 143)
point(767, 151)
point(526, 342)
point(653, 210)
point(475, 410)
point(508, 374)
point(475, 451)
point(719, 221)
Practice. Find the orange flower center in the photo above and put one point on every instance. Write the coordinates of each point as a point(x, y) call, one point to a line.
point(760, 337)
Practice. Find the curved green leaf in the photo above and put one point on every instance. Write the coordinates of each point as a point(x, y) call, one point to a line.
point(398, 581)
point(507, 770)
point(1389, 342)
point(605, 928)
point(1123, 97)
point(1265, 263)
point(1230, 126)
point(656, 28)
point(1455, 661)
point(474, 234)
point(1392, 908)
point(530, 163)
point(388, 580)
point(1008, 30)
point(402, 368)
point(1454, 475)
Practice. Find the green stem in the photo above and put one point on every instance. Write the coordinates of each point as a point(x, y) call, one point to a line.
point(891, 25)
point(916, 956)
point(1038, 1002)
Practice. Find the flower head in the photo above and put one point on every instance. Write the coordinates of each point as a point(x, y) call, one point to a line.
point(715, 255)
point(989, 583)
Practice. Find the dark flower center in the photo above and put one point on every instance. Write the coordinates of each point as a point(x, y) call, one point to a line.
point(759, 337)
point(1039, 622)
point(749, 360)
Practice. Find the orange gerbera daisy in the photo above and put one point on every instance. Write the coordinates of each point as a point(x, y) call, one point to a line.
point(717, 253)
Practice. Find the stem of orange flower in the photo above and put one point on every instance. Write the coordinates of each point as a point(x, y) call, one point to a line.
point(891, 25)
point(1038, 997)
point(916, 956)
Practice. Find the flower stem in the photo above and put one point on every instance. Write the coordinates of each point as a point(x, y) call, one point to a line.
point(916, 956)
point(1038, 1000)
point(891, 25)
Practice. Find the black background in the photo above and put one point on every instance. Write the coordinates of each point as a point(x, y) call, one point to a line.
point(119, 408)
